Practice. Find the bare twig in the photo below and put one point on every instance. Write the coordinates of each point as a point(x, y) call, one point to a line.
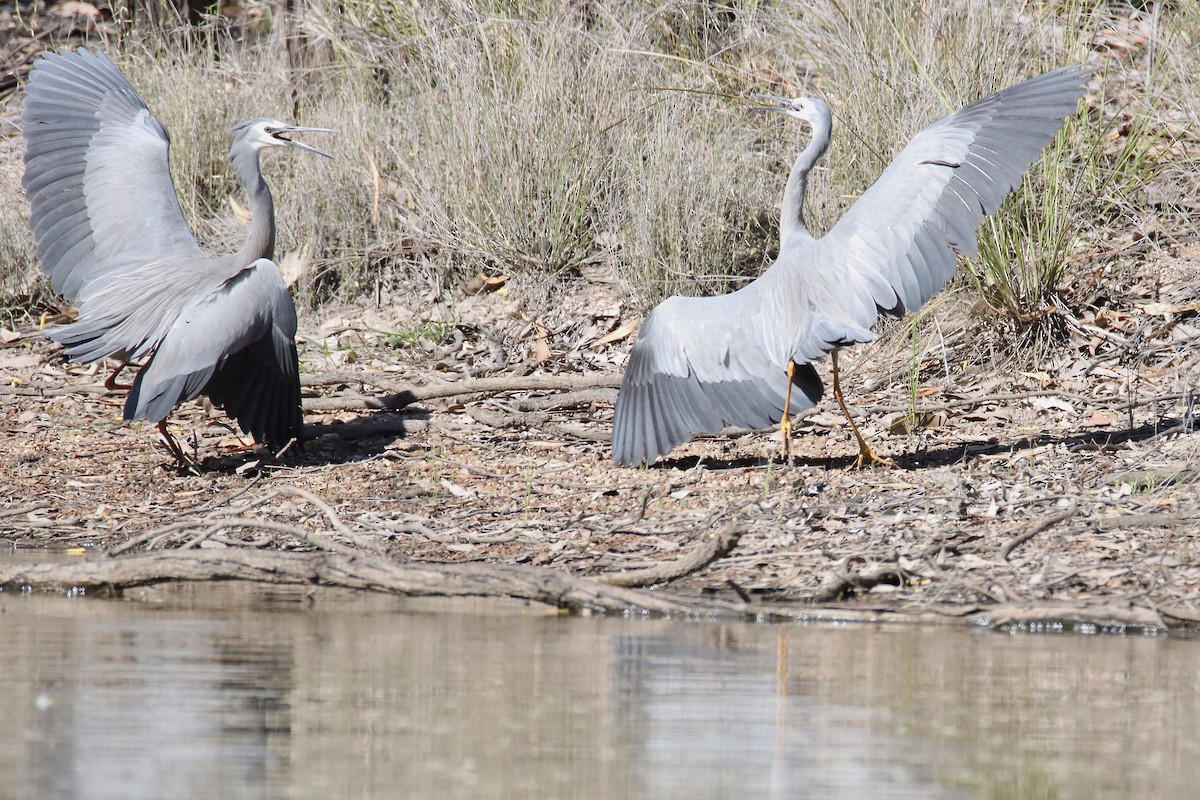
point(151, 535)
point(326, 509)
point(212, 524)
point(1033, 530)
point(715, 545)
point(36, 505)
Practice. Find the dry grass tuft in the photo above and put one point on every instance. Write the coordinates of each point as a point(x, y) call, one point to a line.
point(543, 136)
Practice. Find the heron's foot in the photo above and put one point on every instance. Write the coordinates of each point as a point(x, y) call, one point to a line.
point(112, 385)
point(867, 457)
point(110, 382)
point(172, 446)
point(785, 438)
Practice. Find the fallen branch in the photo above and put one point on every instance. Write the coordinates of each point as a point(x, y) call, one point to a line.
point(535, 584)
point(36, 505)
point(1114, 403)
point(210, 525)
point(48, 389)
point(583, 397)
point(1103, 614)
point(538, 420)
point(401, 397)
point(573, 382)
point(358, 402)
point(1033, 530)
point(363, 572)
point(843, 582)
point(716, 545)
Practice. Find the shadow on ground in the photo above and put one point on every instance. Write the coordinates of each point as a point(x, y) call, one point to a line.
point(325, 443)
point(950, 454)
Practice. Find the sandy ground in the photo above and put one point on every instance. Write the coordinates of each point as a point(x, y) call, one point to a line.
point(1054, 491)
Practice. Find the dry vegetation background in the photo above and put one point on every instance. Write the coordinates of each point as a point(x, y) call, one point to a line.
point(517, 183)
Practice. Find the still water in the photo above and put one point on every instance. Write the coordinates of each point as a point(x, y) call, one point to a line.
point(238, 692)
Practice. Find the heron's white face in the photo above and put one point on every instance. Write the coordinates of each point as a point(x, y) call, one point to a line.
point(809, 109)
point(267, 133)
point(258, 134)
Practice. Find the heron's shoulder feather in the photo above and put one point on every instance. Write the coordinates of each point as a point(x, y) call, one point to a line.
point(238, 335)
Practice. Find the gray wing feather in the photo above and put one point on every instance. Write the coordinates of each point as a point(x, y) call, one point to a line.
point(130, 310)
point(97, 175)
point(235, 344)
point(932, 197)
point(691, 371)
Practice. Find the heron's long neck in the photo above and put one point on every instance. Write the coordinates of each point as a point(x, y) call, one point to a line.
point(261, 241)
point(791, 217)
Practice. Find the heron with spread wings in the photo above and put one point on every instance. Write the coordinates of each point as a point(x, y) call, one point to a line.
point(701, 364)
point(112, 237)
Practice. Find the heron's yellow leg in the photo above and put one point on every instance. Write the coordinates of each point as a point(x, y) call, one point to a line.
point(865, 454)
point(110, 382)
point(785, 421)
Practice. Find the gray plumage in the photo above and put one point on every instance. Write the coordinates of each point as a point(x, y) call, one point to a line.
point(701, 364)
point(112, 237)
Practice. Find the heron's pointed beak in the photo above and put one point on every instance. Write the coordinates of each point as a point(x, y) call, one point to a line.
point(771, 102)
point(280, 136)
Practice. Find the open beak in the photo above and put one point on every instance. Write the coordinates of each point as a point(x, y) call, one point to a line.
point(771, 102)
point(282, 133)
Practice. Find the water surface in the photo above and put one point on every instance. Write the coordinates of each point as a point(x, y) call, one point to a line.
point(234, 691)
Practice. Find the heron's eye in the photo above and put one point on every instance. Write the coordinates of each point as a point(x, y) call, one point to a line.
point(269, 130)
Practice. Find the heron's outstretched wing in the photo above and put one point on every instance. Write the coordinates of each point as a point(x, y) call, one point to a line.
point(699, 365)
point(96, 175)
point(932, 197)
point(235, 344)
